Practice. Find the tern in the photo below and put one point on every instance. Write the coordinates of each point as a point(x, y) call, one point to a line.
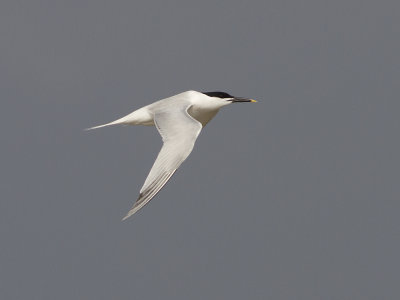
point(179, 120)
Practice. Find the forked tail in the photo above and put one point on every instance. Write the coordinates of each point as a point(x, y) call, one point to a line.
point(116, 122)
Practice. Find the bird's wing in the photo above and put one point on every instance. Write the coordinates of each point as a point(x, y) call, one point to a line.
point(179, 132)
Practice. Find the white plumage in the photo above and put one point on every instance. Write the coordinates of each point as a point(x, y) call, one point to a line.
point(179, 120)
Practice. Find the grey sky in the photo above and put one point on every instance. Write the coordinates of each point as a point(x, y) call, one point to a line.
point(295, 197)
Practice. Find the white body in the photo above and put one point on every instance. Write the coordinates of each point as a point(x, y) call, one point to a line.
point(202, 108)
point(179, 120)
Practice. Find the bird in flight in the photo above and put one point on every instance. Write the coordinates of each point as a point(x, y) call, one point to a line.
point(179, 120)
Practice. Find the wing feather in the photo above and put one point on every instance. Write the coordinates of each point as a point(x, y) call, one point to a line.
point(179, 132)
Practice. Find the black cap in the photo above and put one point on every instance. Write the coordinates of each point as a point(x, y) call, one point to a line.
point(218, 94)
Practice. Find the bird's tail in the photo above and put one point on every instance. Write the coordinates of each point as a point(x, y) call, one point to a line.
point(116, 122)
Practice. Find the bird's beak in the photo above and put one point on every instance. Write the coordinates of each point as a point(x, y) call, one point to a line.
point(240, 99)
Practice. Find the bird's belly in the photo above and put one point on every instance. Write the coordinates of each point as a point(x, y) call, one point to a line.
point(148, 123)
point(142, 116)
point(202, 115)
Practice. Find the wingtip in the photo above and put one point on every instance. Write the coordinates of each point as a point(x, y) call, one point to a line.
point(126, 217)
point(130, 213)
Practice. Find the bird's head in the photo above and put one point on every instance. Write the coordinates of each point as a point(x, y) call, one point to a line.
point(226, 97)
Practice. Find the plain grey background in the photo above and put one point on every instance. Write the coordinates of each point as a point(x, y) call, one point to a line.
point(295, 197)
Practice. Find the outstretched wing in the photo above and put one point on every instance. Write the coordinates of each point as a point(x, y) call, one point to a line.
point(179, 132)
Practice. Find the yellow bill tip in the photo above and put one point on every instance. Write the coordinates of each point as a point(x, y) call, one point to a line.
point(252, 100)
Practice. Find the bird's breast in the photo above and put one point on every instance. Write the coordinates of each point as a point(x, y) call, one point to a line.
point(203, 115)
